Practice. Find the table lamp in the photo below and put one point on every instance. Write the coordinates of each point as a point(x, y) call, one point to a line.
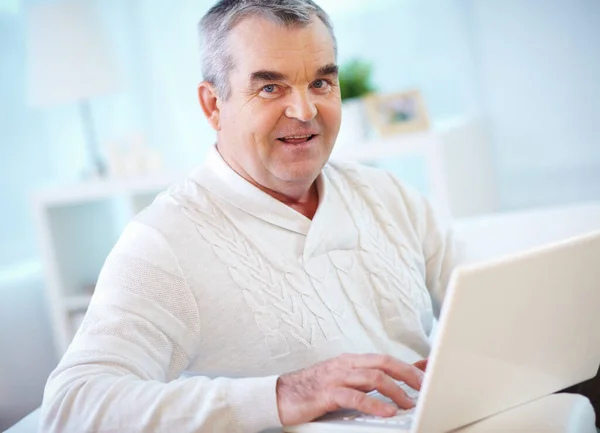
point(70, 62)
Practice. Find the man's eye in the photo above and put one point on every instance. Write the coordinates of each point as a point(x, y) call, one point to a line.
point(321, 85)
point(269, 89)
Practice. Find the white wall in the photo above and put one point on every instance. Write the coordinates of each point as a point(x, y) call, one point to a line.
point(538, 65)
point(23, 158)
point(412, 44)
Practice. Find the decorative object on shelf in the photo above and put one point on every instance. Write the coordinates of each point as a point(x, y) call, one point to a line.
point(355, 79)
point(132, 157)
point(397, 113)
point(355, 84)
point(69, 62)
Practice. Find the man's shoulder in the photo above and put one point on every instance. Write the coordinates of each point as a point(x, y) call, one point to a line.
point(159, 233)
point(355, 169)
point(380, 189)
point(171, 214)
point(379, 181)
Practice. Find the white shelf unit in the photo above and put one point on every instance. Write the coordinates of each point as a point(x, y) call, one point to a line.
point(78, 225)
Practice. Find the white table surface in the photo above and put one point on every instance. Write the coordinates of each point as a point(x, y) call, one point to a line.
point(557, 413)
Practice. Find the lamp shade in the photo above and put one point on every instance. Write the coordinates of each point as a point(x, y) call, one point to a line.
point(68, 57)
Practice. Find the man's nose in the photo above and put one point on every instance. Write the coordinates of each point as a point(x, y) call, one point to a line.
point(301, 107)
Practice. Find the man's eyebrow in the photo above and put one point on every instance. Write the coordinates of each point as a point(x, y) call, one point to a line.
point(330, 69)
point(264, 75)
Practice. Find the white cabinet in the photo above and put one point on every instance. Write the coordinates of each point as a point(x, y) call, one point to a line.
point(79, 225)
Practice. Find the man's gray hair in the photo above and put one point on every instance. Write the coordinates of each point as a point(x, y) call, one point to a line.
point(214, 28)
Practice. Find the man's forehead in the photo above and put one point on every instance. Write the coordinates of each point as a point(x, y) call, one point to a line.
point(258, 43)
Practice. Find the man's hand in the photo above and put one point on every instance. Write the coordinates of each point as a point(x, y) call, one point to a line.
point(342, 383)
point(421, 365)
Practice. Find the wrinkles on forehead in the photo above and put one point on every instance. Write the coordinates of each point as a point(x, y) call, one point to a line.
point(264, 50)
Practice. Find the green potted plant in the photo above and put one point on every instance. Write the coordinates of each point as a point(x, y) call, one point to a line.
point(355, 83)
point(355, 79)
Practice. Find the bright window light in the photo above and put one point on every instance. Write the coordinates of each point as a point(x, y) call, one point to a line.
point(337, 7)
point(9, 6)
point(18, 273)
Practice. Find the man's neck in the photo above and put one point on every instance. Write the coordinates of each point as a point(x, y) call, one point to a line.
point(306, 203)
point(302, 198)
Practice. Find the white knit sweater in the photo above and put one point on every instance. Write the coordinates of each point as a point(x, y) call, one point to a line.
point(218, 280)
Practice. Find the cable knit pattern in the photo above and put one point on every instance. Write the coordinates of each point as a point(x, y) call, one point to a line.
point(217, 288)
point(282, 298)
point(391, 266)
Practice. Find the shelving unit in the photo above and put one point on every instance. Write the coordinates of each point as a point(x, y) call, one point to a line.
point(78, 225)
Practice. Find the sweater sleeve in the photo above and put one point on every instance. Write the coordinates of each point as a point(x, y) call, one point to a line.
point(123, 370)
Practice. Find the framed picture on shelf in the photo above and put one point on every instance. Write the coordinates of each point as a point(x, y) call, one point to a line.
point(397, 113)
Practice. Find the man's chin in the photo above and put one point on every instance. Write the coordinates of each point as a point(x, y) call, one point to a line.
point(303, 171)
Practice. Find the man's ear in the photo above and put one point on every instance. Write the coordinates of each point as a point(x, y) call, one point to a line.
point(210, 103)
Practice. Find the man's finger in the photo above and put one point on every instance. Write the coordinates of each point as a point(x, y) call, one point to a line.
point(378, 380)
point(347, 398)
point(391, 366)
point(422, 364)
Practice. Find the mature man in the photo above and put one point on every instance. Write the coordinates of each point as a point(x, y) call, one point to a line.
point(315, 282)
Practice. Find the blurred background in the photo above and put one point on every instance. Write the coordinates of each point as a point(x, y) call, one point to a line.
point(98, 113)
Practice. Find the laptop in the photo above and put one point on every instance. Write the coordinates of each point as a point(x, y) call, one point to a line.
point(511, 331)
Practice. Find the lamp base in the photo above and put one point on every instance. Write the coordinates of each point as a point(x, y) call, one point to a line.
point(97, 168)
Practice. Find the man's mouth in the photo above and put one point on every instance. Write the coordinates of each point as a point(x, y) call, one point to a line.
point(297, 139)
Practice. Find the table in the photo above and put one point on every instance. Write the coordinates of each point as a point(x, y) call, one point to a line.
point(556, 413)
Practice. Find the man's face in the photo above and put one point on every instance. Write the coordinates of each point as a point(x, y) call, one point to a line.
point(280, 123)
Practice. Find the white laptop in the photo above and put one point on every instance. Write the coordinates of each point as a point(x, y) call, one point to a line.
point(511, 331)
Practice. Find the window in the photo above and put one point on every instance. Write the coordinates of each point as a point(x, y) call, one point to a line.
point(10, 6)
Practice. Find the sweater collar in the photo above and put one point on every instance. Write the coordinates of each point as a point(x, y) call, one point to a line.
point(220, 179)
point(331, 228)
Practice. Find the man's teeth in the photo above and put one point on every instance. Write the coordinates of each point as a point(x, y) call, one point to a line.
point(297, 137)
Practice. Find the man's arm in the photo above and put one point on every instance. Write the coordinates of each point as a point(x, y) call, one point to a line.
point(121, 372)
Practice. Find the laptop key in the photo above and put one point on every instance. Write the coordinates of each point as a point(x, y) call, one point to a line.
point(402, 418)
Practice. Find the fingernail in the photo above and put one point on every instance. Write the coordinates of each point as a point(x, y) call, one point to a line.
point(391, 410)
point(421, 376)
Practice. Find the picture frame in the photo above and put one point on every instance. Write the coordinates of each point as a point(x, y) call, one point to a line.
point(397, 113)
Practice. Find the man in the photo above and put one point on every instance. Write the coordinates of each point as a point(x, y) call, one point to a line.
point(315, 282)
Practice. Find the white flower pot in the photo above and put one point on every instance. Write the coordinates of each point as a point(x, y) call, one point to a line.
point(353, 130)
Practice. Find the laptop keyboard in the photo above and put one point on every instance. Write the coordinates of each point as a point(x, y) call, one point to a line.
point(403, 417)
